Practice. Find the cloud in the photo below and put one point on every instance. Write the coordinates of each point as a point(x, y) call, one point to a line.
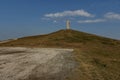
point(69, 13)
point(92, 21)
point(112, 15)
point(45, 18)
point(54, 21)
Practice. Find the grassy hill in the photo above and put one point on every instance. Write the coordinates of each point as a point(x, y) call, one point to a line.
point(98, 58)
point(62, 38)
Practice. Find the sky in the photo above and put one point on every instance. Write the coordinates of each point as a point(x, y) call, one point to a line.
point(19, 18)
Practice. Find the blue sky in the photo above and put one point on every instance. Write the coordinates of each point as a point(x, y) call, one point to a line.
point(20, 18)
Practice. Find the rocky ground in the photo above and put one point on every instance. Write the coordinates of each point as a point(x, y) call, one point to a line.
point(21, 63)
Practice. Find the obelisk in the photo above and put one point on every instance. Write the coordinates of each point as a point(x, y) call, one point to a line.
point(68, 24)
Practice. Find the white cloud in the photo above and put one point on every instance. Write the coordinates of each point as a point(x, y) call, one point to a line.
point(45, 18)
point(54, 21)
point(112, 15)
point(69, 13)
point(92, 21)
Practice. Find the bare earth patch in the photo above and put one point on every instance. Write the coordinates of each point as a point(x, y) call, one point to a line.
point(21, 63)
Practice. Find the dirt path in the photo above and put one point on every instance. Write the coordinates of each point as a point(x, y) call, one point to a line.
point(35, 63)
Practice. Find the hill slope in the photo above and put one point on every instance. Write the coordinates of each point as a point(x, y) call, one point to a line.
point(97, 58)
point(62, 38)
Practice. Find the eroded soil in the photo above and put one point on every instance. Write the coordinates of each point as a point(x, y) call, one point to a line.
point(21, 63)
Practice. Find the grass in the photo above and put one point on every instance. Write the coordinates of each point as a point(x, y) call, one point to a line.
point(62, 38)
point(97, 58)
point(94, 65)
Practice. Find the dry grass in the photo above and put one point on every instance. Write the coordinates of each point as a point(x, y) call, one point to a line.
point(62, 38)
point(98, 58)
point(97, 64)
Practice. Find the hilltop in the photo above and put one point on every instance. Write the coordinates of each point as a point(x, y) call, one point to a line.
point(62, 38)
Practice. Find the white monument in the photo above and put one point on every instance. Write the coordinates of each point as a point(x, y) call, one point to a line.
point(67, 24)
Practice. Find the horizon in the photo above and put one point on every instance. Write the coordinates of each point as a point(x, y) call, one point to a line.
point(33, 17)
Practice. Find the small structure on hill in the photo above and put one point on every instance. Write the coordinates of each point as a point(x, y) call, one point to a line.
point(68, 24)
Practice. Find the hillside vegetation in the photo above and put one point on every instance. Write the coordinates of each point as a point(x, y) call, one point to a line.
point(63, 38)
point(98, 58)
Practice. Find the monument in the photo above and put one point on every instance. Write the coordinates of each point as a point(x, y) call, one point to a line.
point(67, 24)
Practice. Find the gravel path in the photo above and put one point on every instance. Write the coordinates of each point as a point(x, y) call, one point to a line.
point(21, 63)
